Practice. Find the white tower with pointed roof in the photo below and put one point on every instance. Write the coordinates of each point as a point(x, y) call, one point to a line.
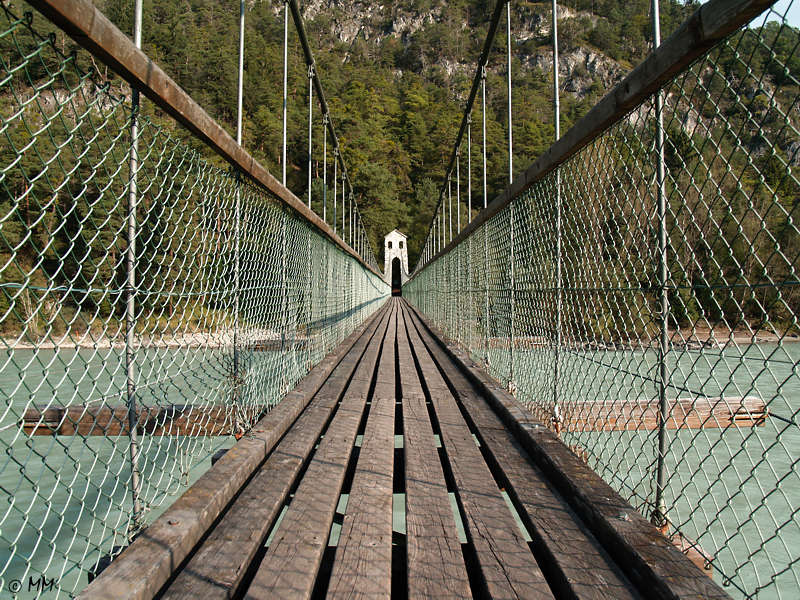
point(394, 246)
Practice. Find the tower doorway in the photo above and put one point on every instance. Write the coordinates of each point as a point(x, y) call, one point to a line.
point(397, 284)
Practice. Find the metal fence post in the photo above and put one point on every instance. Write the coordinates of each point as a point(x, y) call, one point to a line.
point(511, 206)
point(659, 516)
point(486, 225)
point(130, 292)
point(510, 133)
point(558, 286)
point(325, 167)
point(238, 208)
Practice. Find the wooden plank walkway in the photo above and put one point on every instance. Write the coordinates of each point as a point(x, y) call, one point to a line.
point(399, 470)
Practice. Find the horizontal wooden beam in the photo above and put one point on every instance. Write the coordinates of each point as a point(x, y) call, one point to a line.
point(101, 420)
point(90, 28)
point(642, 415)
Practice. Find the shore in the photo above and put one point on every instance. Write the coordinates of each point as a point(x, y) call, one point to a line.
point(201, 339)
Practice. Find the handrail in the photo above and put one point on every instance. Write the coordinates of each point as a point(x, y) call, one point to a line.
point(90, 28)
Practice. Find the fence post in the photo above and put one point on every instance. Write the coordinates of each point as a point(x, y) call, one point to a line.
point(130, 292)
point(485, 225)
point(558, 286)
point(510, 133)
point(659, 516)
point(511, 385)
point(237, 225)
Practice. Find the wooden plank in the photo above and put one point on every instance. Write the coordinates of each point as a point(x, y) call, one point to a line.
point(507, 564)
point(385, 383)
point(434, 559)
point(363, 563)
point(290, 566)
point(146, 565)
point(87, 420)
point(217, 568)
point(572, 555)
point(649, 560)
point(684, 413)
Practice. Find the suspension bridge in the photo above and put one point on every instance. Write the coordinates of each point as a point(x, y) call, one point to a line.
point(587, 387)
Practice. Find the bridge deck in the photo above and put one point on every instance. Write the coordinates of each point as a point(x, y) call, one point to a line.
point(395, 469)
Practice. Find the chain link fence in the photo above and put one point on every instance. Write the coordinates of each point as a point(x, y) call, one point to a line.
point(629, 310)
point(234, 298)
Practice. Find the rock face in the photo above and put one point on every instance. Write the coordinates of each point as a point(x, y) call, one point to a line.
point(581, 68)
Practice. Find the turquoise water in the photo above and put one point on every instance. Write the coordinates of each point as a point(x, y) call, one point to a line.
point(735, 491)
point(68, 498)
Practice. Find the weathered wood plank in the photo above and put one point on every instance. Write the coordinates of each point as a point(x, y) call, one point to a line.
point(216, 570)
point(507, 564)
point(290, 566)
point(684, 413)
point(385, 383)
point(146, 565)
point(88, 420)
point(649, 560)
point(571, 553)
point(435, 562)
point(363, 563)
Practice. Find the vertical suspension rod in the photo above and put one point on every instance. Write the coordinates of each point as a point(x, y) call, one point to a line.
point(310, 125)
point(130, 295)
point(458, 193)
point(325, 168)
point(659, 516)
point(510, 130)
point(469, 170)
point(285, 85)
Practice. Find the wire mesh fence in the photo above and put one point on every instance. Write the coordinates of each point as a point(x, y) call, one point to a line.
point(234, 297)
point(628, 309)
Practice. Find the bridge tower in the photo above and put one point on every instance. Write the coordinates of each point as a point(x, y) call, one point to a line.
point(395, 248)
